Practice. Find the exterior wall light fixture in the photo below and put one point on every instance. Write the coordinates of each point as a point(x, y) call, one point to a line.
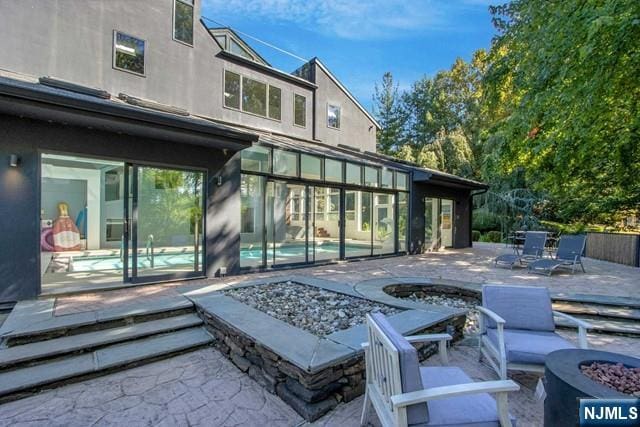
point(14, 160)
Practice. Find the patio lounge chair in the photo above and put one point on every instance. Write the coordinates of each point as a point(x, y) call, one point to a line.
point(532, 250)
point(517, 329)
point(404, 394)
point(569, 254)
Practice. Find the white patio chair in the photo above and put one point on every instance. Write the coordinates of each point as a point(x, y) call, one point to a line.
point(405, 394)
point(517, 329)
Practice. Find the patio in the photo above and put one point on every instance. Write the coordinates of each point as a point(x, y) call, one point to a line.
point(205, 388)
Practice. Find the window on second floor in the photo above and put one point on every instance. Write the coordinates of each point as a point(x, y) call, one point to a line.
point(252, 96)
point(299, 110)
point(333, 116)
point(183, 21)
point(128, 53)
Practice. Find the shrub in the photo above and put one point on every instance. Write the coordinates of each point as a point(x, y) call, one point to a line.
point(483, 220)
point(494, 237)
point(475, 236)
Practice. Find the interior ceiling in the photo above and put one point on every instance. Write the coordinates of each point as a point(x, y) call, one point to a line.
point(78, 162)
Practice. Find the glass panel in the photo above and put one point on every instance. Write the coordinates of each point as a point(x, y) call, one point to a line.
point(354, 174)
point(129, 53)
point(384, 235)
point(235, 47)
point(255, 159)
point(287, 232)
point(275, 99)
point(169, 221)
point(222, 40)
point(431, 229)
point(370, 176)
point(386, 180)
point(285, 163)
point(358, 230)
point(402, 181)
point(333, 116)
point(183, 21)
point(446, 222)
point(332, 170)
point(251, 220)
point(254, 96)
point(231, 89)
point(311, 166)
point(326, 224)
point(82, 221)
point(403, 221)
point(300, 110)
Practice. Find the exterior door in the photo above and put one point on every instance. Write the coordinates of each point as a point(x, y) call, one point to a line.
point(165, 223)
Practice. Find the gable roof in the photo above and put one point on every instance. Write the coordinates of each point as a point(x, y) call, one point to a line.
point(229, 33)
point(317, 61)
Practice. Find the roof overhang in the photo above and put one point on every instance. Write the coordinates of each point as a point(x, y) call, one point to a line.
point(38, 102)
point(446, 180)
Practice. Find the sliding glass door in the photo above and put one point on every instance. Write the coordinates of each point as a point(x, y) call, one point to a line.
point(164, 211)
point(358, 224)
point(324, 238)
point(438, 227)
point(287, 227)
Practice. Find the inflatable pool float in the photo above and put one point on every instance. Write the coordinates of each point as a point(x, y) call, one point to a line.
point(66, 236)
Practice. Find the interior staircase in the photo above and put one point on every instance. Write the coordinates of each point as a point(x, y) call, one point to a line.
point(615, 317)
point(66, 351)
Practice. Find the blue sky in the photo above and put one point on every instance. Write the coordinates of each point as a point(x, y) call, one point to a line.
point(359, 40)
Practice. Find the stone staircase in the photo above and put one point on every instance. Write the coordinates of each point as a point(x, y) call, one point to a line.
point(78, 346)
point(609, 317)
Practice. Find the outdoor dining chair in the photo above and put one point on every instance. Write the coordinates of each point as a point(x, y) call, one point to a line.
point(568, 254)
point(405, 394)
point(517, 329)
point(533, 248)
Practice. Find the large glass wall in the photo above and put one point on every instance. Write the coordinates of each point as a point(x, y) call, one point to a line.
point(288, 218)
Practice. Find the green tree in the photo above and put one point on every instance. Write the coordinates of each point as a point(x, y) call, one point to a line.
point(389, 111)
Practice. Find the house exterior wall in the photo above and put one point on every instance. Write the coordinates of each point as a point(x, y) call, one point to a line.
point(20, 192)
point(356, 129)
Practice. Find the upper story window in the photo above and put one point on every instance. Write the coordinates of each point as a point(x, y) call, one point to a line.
point(402, 181)
point(252, 96)
point(183, 21)
point(333, 116)
point(128, 53)
point(299, 110)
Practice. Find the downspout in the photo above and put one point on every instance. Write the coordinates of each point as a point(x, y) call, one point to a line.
point(471, 194)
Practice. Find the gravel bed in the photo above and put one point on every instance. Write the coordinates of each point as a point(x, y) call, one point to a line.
point(313, 309)
point(616, 376)
point(471, 325)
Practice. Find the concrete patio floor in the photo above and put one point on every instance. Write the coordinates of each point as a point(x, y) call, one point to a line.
point(203, 388)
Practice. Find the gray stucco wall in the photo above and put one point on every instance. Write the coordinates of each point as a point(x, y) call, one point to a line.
point(20, 192)
point(461, 214)
point(356, 130)
point(73, 40)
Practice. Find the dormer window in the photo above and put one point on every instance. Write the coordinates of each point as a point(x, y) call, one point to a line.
point(230, 42)
point(183, 21)
point(333, 116)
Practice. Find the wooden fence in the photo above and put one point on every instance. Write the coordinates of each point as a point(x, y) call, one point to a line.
point(614, 247)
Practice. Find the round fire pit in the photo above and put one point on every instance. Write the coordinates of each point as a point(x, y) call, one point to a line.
point(565, 383)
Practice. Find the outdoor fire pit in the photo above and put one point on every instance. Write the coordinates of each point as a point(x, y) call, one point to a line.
point(573, 374)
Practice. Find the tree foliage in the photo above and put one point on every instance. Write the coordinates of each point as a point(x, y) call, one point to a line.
point(549, 116)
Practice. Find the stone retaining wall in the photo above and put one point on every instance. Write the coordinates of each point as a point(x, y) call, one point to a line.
point(310, 394)
point(405, 290)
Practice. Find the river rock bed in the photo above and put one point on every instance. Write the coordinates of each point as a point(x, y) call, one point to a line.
point(315, 310)
point(471, 325)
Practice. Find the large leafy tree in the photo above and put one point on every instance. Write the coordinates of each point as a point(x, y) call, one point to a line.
point(563, 89)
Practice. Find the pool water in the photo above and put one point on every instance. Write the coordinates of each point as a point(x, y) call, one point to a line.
point(98, 263)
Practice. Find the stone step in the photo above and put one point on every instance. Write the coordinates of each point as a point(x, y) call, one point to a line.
point(32, 321)
point(28, 353)
point(589, 309)
point(606, 326)
point(107, 359)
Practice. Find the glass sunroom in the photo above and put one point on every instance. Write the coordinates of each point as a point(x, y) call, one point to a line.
point(305, 207)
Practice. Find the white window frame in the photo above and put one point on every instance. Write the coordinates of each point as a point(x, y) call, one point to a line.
point(144, 58)
point(173, 21)
point(339, 107)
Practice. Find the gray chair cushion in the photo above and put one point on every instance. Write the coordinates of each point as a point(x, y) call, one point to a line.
point(529, 347)
point(409, 368)
point(522, 307)
point(476, 410)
